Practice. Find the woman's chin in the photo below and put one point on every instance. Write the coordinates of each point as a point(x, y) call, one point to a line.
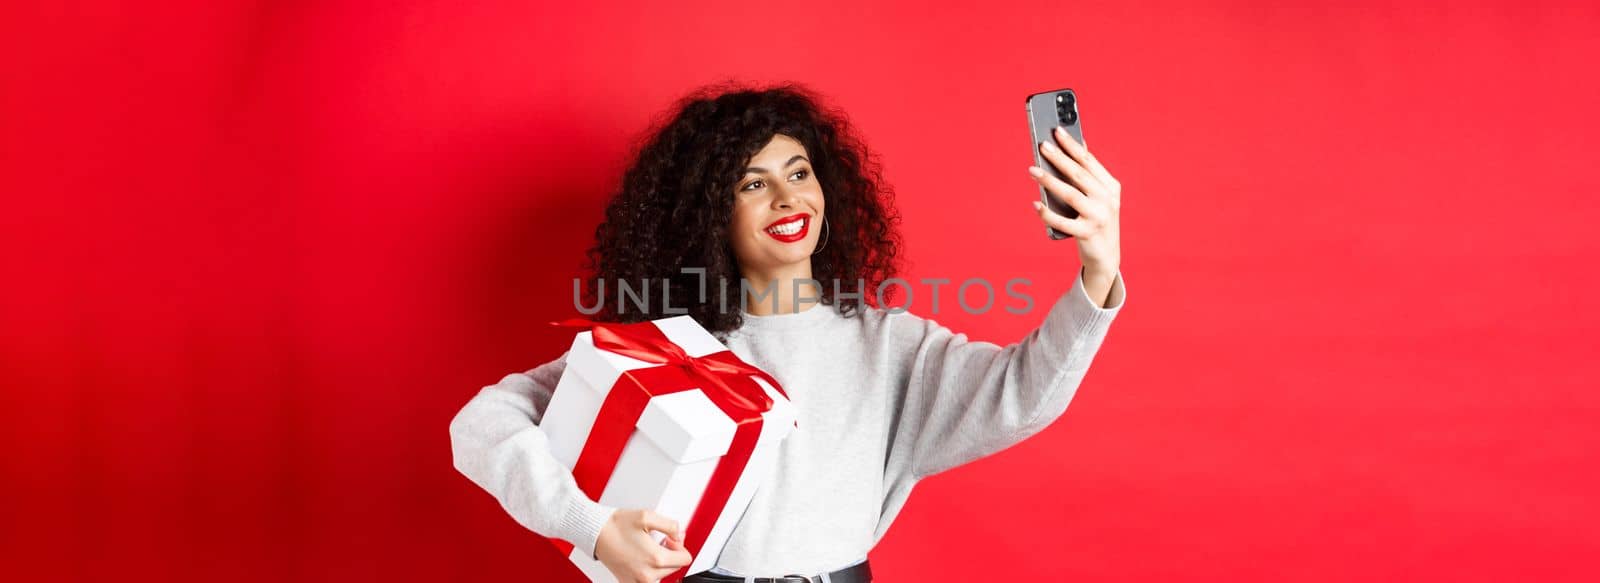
point(799, 253)
point(791, 255)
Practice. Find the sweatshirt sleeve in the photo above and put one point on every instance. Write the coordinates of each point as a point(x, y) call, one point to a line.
point(966, 400)
point(496, 442)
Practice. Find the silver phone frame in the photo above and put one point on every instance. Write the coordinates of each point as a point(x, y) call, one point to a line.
point(1045, 125)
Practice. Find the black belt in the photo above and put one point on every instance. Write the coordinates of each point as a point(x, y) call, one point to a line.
point(857, 573)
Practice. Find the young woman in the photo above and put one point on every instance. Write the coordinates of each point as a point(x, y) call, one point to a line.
point(768, 187)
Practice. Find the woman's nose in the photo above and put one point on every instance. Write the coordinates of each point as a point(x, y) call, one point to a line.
point(785, 198)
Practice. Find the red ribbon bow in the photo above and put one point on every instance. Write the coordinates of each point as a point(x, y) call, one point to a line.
point(721, 375)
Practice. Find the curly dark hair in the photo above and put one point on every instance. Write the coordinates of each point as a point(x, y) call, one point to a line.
point(677, 196)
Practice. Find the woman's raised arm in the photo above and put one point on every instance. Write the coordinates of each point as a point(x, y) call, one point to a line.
point(966, 400)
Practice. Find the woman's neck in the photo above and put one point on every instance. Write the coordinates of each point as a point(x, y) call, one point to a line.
point(783, 290)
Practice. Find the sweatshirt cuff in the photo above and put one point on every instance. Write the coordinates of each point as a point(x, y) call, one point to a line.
point(1085, 311)
point(1076, 317)
point(581, 523)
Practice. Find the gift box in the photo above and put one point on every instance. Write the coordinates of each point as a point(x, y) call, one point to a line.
point(659, 415)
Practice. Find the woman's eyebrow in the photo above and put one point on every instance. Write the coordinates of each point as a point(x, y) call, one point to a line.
point(760, 170)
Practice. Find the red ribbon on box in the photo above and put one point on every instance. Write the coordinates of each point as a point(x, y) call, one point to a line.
point(724, 378)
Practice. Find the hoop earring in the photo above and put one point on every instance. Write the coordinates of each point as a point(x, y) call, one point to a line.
point(824, 236)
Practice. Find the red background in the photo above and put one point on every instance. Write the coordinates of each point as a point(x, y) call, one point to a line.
point(256, 255)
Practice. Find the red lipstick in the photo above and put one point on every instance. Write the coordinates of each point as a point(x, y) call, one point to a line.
point(789, 229)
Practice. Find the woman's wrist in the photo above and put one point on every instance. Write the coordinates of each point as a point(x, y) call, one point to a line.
point(1099, 271)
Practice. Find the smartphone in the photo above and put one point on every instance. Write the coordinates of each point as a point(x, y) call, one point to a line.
point(1046, 111)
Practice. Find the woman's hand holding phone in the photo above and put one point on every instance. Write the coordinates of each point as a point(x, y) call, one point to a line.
point(1094, 193)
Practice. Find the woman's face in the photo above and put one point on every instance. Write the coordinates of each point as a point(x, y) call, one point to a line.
point(777, 209)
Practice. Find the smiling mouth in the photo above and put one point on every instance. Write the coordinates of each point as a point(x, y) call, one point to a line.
point(789, 229)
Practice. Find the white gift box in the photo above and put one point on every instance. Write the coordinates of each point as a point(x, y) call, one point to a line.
point(669, 458)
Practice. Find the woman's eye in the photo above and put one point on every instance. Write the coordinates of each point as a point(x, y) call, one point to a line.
point(802, 172)
point(751, 185)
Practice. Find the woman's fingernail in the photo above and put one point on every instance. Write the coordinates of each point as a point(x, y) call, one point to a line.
point(1051, 147)
point(1037, 205)
point(1035, 171)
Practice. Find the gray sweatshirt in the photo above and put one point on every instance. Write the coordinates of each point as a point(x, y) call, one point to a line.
point(884, 400)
